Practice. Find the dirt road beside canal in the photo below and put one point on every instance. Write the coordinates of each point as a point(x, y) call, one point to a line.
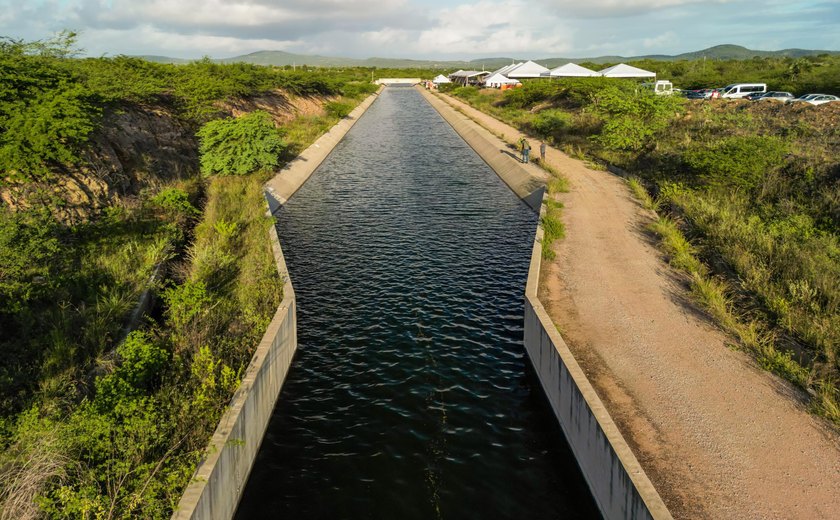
point(718, 436)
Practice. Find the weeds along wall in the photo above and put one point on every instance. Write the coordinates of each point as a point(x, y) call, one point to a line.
point(220, 479)
point(618, 483)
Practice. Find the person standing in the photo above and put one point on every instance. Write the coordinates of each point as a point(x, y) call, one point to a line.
point(542, 152)
point(526, 150)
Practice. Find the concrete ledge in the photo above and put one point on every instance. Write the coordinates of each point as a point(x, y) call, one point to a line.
point(288, 180)
point(217, 485)
point(618, 483)
point(526, 180)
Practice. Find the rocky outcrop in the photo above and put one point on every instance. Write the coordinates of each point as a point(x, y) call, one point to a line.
point(134, 149)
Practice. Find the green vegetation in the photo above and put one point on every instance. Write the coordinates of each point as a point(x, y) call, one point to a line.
point(749, 192)
point(97, 420)
point(240, 146)
point(553, 228)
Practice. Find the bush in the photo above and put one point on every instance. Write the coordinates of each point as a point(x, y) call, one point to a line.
point(240, 146)
point(737, 161)
point(30, 258)
point(357, 89)
point(632, 119)
point(552, 123)
point(338, 109)
point(175, 204)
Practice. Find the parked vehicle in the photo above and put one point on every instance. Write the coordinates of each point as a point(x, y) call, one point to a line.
point(782, 97)
point(817, 99)
point(741, 90)
point(662, 87)
point(703, 93)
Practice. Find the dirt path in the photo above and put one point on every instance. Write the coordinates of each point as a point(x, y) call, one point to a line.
point(718, 437)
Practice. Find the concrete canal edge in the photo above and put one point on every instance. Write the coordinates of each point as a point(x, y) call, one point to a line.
point(217, 484)
point(621, 488)
point(526, 181)
point(283, 185)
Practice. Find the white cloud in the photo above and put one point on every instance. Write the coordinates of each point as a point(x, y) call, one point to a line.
point(486, 27)
point(620, 8)
point(663, 41)
point(423, 28)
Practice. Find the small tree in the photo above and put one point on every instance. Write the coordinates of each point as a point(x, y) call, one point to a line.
point(240, 146)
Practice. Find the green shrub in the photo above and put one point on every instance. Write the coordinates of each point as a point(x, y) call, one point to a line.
point(338, 109)
point(552, 122)
point(633, 119)
point(175, 203)
point(358, 89)
point(240, 146)
point(47, 131)
point(30, 258)
point(737, 161)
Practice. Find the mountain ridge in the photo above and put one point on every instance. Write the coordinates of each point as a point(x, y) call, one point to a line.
point(282, 58)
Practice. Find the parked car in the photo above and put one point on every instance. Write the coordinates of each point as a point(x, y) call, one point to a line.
point(773, 95)
point(817, 99)
point(702, 93)
point(662, 87)
point(741, 90)
point(805, 97)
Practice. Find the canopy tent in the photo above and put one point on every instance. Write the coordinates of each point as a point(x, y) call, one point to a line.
point(440, 78)
point(507, 68)
point(571, 70)
point(497, 80)
point(623, 70)
point(465, 77)
point(529, 69)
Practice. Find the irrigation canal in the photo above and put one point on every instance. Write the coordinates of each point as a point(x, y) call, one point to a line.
point(410, 395)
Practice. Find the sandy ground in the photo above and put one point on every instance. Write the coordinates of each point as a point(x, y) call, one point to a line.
point(718, 437)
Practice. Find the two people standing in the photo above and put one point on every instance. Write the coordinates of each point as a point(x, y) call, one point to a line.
point(525, 148)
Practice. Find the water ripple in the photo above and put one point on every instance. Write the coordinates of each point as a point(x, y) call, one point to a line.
point(410, 396)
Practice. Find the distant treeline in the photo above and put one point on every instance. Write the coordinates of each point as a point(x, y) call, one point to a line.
point(809, 74)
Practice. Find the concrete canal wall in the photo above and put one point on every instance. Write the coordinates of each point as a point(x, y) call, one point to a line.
point(527, 181)
point(288, 180)
point(219, 480)
point(618, 483)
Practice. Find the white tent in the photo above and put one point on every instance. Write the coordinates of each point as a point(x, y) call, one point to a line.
point(441, 79)
point(571, 70)
point(497, 80)
point(465, 77)
point(529, 69)
point(623, 70)
point(507, 68)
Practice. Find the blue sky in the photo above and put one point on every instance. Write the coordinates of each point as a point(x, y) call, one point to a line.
point(426, 29)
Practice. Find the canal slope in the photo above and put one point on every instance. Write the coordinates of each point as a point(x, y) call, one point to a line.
point(718, 437)
point(410, 395)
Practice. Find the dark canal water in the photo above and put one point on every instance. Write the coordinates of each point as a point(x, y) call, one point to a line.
point(410, 396)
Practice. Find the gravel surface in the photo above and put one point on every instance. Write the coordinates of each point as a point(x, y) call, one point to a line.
point(719, 437)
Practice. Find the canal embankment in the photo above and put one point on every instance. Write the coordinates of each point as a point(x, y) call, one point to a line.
point(219, 480)
point(617, 481)
point(717, 436)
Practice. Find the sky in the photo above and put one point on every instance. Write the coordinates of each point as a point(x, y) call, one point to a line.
point(431, 29)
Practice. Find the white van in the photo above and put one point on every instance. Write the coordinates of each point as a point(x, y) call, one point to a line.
point(739, 90)
point(662, 87)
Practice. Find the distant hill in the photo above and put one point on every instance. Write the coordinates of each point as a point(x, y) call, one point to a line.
point(281, 58)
